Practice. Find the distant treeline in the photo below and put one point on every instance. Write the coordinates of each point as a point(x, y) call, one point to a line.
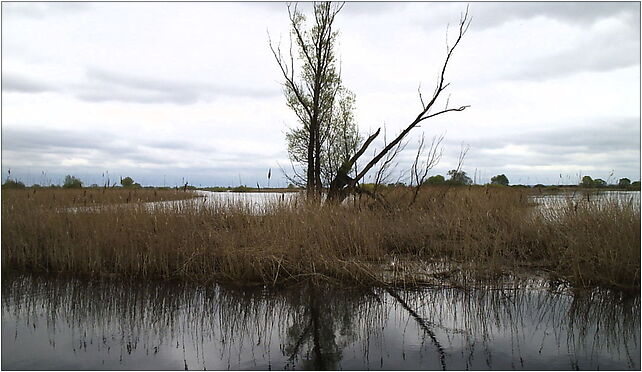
point(456, 178)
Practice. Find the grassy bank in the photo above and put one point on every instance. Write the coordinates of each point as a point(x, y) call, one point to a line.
point(87, 197)
point(460, 233)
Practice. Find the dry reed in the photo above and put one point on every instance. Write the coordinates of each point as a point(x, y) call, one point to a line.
point(487, 232)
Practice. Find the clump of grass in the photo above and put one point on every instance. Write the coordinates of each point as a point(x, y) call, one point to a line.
point(597, 243)
point(483, 232)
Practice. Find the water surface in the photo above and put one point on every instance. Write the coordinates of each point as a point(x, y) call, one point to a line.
point(50, 323)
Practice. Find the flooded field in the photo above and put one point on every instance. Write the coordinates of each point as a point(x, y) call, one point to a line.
point(102, 324)
point(259, 201)
point(611, 196)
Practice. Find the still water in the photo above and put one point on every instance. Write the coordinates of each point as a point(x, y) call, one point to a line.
point(622, 198)
point(554, 201)
point(260, 202)
point(50, 323)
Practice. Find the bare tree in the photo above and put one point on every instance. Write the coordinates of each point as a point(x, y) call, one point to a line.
point(343, 184)
point(457, 176)
point(419, 172)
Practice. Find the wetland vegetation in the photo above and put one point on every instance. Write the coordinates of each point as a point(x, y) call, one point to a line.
point(448, 234)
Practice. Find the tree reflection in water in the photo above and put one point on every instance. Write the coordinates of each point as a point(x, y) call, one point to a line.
point(97, 324)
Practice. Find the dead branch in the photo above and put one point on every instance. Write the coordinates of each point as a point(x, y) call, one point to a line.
point(343, 182)
point(418, 175)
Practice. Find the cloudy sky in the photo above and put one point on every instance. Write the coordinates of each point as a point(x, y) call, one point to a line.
point(164, 92)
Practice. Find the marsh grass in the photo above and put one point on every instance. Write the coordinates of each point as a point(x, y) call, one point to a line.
point(458, 236)
point(57, 198)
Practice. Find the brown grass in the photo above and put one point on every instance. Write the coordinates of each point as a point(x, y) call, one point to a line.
point(88, 197)
point(486, 232)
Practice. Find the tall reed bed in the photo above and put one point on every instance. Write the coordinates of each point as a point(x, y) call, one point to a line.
point(486, 232)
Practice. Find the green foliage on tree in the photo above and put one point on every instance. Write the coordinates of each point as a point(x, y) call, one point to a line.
point(127, 182)
point(13, 184)
point(587, 181)
point(459, 178)
point(624, 183)
point(339, 137)
point(436, 180)
point(72, 182)
point(500, 179)
point(327, 134)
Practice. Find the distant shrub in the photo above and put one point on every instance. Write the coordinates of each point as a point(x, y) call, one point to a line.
point(624, 183)
point(436, 180)
point(13, 184)
point(241, 188)
point(72, 182)
point(500, 179)
point(127, 182)
point(587, 181)
point(458, 178)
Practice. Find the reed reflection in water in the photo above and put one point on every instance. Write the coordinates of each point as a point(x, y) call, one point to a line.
point(55, 323)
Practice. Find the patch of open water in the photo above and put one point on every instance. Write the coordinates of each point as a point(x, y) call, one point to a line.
point(57, 323)
point(257, 202)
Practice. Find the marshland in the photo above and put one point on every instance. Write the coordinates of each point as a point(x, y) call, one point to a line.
point(155, 278)
point(450, 234)
point(365, 244)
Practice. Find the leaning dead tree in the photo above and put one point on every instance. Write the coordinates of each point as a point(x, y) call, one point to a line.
point(344, 184)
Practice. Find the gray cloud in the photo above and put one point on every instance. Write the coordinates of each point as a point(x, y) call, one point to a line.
point(102, 86)
point(583, 13)
point(33, 144)
point(101, 147)
point(596, 149)
point(619, 136)
point(12, 82)
point(39, 139)
point(605, 52)
point(595, 137)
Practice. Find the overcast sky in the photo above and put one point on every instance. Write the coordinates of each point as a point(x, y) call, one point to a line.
point(164, 92)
